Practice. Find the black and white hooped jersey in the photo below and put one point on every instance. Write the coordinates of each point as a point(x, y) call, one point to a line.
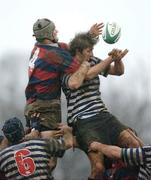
point(139, 157)
point(30, 160)
point(85, 101)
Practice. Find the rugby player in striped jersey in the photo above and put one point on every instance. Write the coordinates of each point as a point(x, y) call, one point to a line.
point(87, 114)
point(30, 159)
point(140, 157)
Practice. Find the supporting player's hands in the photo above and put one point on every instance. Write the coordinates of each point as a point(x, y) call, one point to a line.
point(69, 139)
point(33, 133)
point(96, 29)
point(93, 146)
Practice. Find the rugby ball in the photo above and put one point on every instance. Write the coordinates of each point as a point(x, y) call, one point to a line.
point(111, 32)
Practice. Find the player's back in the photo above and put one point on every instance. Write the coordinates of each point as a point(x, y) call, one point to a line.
point(28, 160)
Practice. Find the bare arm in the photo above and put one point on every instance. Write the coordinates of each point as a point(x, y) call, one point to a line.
point(85, 72)
point(113, 152)
point(98, 68)
point(65, 132)
point(4, 143)
point(118, 67)
point(77, 78)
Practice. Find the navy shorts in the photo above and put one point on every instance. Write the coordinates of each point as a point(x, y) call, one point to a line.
point(103, 127)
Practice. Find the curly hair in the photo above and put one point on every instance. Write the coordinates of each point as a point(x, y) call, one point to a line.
point(80, 42)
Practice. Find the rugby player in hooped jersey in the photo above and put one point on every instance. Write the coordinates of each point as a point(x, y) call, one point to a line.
point(140, 157)
point(87, 114)
point(30, 159)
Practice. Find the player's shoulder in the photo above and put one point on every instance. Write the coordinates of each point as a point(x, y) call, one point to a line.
point(63, 45)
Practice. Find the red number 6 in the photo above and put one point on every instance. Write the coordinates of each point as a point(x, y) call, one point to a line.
point(25, 165)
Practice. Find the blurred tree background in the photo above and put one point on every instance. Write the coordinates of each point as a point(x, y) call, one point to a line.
point(127, 97)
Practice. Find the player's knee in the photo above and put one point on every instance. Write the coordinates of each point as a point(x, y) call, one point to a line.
point(100, 167)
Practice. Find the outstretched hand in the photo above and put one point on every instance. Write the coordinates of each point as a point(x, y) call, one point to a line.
point(117, 54)
point(96, 29)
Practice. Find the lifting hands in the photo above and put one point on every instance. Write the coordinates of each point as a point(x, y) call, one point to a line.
point(35, 132)
point(68, 137)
